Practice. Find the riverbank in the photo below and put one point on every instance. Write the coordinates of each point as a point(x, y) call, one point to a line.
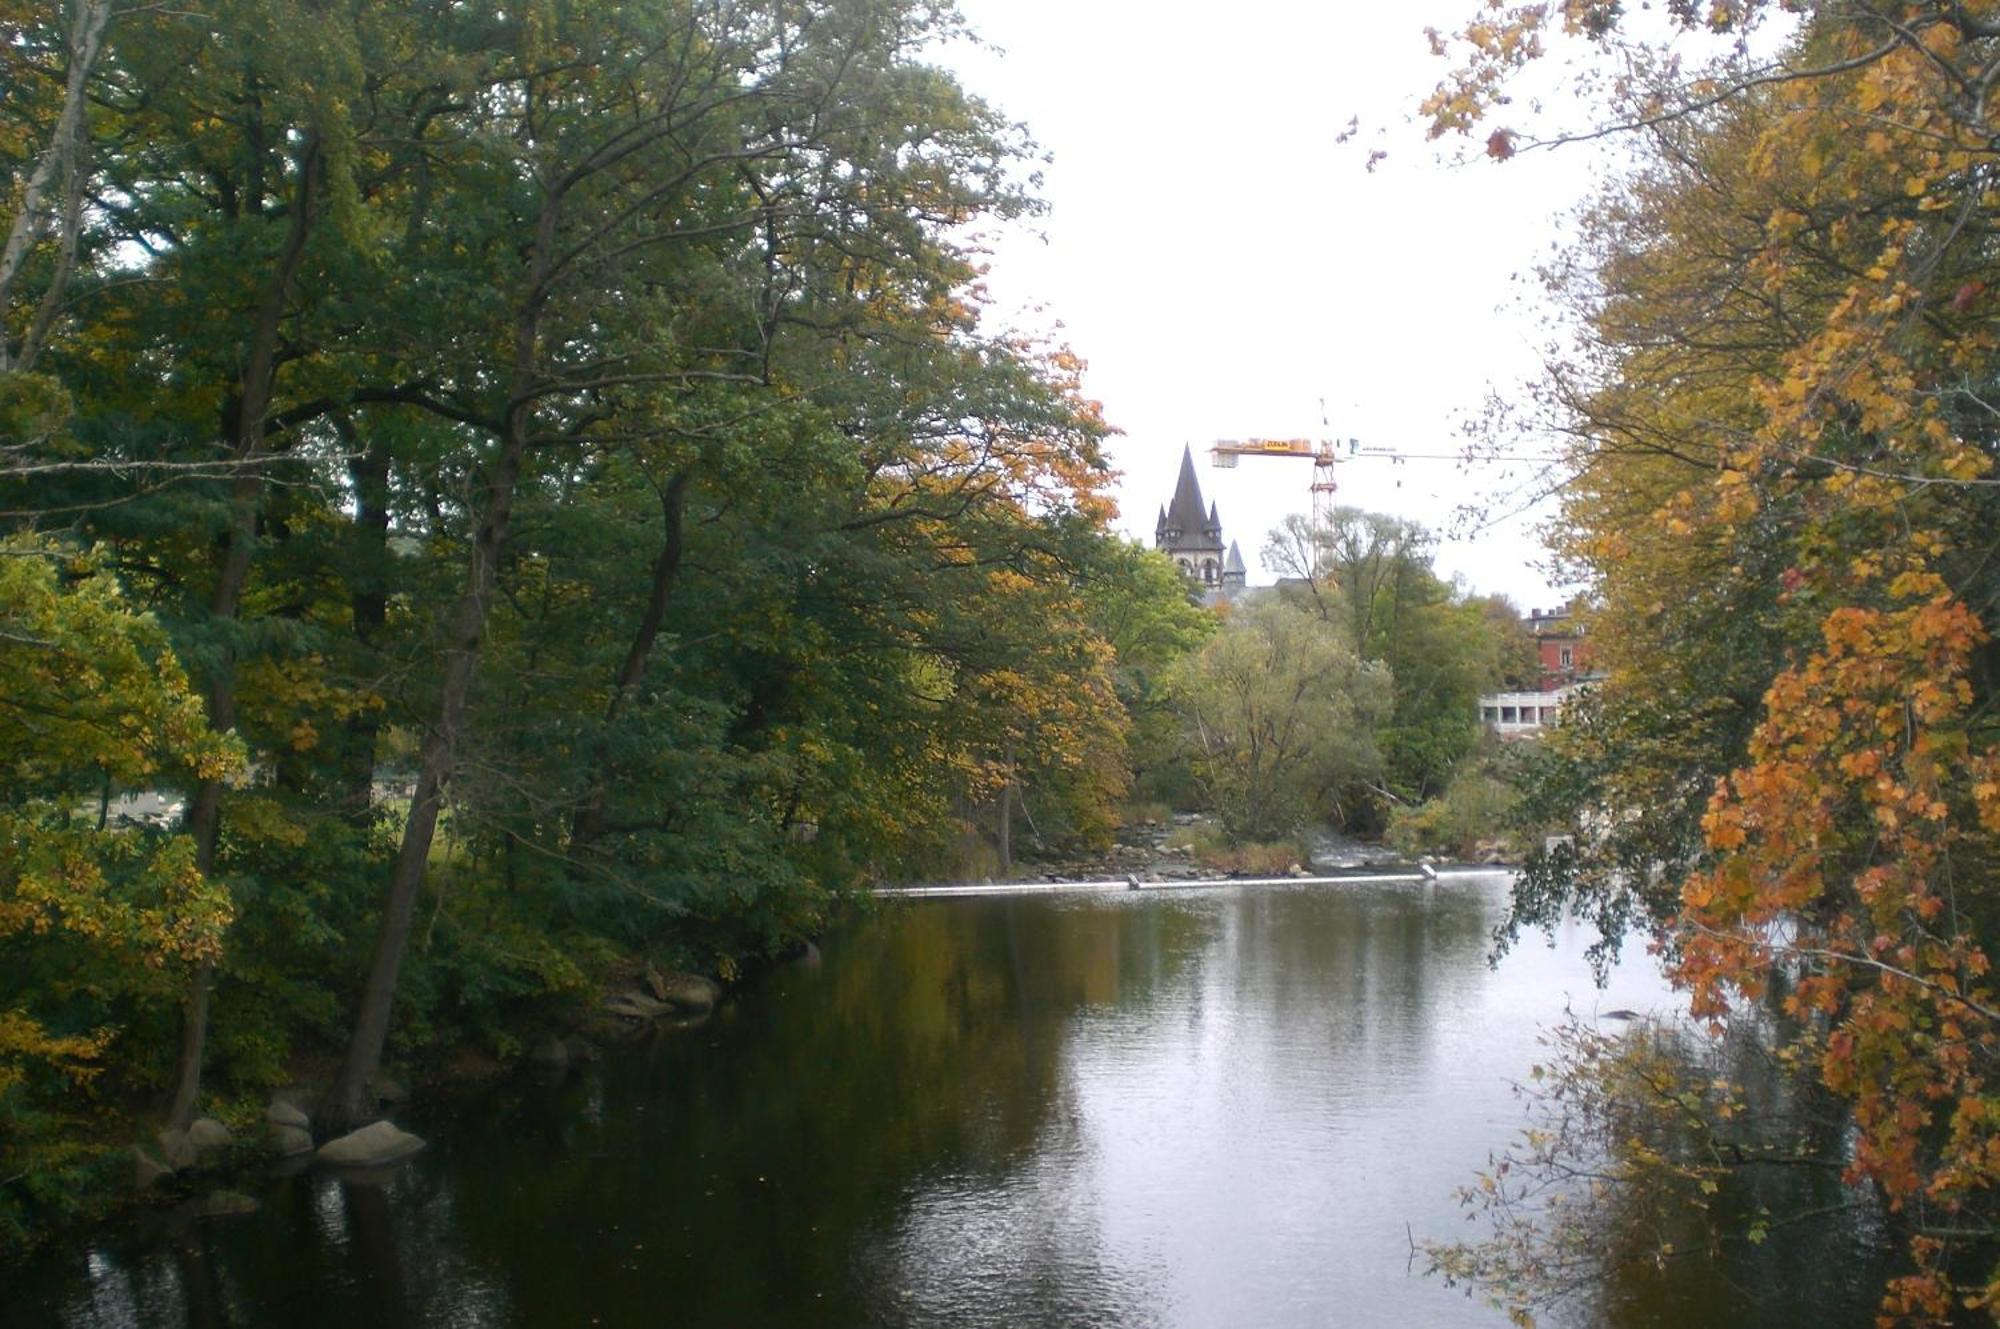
point(624, 1001)
point(128, 1168)
point(1165, 850)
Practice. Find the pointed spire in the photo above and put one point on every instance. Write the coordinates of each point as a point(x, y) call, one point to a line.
point(1214, 527)
point(1234, 563)
point(1160, 528)
point(1184, 513)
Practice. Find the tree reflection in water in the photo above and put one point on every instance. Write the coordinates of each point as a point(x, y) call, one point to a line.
point(1230, 1106)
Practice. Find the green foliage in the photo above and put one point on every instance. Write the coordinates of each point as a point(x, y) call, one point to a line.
point(1479, 807)
point(798, 569)
point(1140, 604)
point(1282, 715)
point(1441, 648)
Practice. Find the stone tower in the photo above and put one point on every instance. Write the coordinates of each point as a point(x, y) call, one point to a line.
point(1192, 535)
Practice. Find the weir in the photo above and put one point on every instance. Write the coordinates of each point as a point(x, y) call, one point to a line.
point(967, 890)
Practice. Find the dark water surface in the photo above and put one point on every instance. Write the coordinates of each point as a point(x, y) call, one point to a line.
point(1190, 1109)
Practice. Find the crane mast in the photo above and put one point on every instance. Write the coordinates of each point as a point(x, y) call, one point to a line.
point(1227, 452)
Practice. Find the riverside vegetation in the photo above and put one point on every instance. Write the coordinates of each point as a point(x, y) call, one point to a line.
point(534, 482)
point(1780, 421)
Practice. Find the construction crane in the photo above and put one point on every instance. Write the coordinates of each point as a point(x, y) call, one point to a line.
point(1225, 453)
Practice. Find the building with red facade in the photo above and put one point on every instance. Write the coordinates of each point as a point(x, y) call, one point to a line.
point(1563, 666)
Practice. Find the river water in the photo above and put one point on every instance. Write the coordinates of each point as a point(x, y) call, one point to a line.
point(1202, 1108)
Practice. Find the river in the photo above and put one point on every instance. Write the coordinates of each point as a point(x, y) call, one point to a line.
point(1214, 1107)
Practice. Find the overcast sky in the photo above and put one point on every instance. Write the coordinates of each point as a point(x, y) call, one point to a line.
point(1223, 264)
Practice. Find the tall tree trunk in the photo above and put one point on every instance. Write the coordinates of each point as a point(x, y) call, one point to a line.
point(246, 488)
point(350, 1101)
point(1006, 822)
point(368, 468)
point(588, 823)
point(62, 158)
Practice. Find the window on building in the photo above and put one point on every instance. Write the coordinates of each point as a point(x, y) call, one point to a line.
point(1565, 656)
point(1510, 715)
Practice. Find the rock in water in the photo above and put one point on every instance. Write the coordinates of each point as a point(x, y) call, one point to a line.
point(551, 1054)
point(375, 1145)
point(223, 1204)
point(146, 1169)
point(288, 1141)
point(690, 993)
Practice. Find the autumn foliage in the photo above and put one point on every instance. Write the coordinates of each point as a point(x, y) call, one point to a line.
point(1782, 428)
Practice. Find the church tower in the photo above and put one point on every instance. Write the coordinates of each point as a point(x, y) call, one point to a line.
point(1191, 534)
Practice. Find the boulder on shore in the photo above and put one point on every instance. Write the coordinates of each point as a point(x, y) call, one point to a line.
point(280, 1112)
point(376, 1145)
point(635, 1006)
point(206, 1133)
point(176, 1150)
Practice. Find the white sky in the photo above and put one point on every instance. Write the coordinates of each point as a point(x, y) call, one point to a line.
point(1223, 264)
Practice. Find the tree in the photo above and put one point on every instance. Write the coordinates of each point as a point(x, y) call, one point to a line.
point(1139, 603)
point(93, 919)
point(51, 197)
point(715, 120)
point(1782, 433)
point(578, 418)
point(1282, 713)
point(1440, 647)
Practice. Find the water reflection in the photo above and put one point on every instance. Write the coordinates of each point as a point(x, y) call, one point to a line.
point(1226, 1107)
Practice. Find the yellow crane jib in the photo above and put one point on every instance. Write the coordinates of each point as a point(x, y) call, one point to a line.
point(1226, 451)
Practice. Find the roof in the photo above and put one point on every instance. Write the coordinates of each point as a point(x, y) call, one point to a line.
point(1185, 514)
point(1234, 563)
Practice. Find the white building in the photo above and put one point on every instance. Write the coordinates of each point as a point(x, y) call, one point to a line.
point(1509, 713)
